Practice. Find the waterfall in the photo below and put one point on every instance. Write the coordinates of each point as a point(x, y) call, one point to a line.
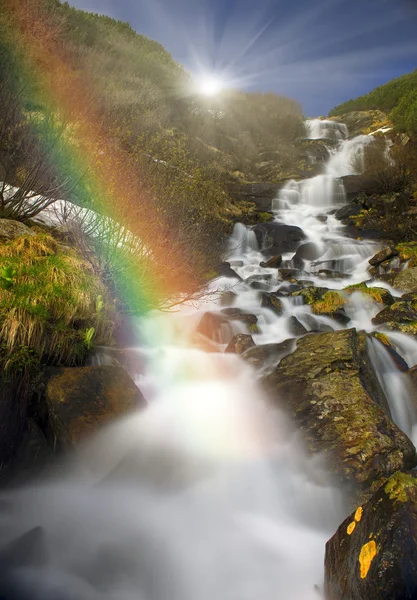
point(324, 129)
point(208, 493)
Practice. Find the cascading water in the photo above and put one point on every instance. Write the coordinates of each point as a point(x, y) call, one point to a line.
point(208, 492)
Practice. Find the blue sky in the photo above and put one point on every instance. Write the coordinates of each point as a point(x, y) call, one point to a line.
point(319, 52)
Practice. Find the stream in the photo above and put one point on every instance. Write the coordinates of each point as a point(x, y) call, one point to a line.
point(209, 494)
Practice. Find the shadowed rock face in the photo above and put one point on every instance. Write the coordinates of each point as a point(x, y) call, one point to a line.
point(275, 238)
point(330, 389)
point(373, 554)
point(79, 400)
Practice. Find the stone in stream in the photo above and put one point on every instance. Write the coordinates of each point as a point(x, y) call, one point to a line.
point(228, 298)
point(288, 273)
point(406, 281)
point(308, 251)
point(217, 326)
point(296, 327)
point(272, 263)
point(267, 356)
point(225, 270)
point(373, 554)
point(331, 391)
point(383, 255)
point(78, 400)
point(276, 238)
point(240, 343)
point(399, 312)
point(272, 302)
point(347, 211)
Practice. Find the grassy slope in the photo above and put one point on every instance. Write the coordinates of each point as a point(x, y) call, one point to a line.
point(397, 98)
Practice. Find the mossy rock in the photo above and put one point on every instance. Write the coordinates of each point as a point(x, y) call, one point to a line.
point(240, 343)
point(399, 312)
point(80, 400)
point(406, 281)
point(329, 303)
point(407, 251)
point(311, 294)
point(330, 389)
point(373, 554)
point(381, 295)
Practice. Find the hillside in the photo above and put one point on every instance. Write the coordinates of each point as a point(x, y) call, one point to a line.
point(397, 98)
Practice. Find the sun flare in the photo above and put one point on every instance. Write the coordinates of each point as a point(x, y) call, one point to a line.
point(210, 86)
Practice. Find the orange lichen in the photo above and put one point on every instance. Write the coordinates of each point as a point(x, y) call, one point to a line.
point(358, 514)
point(366, 556)
point(351, 527)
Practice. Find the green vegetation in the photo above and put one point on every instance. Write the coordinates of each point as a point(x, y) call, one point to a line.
point(397, 98)
point(51, 305)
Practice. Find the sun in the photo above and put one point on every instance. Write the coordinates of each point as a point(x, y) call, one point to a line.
point(210, 85)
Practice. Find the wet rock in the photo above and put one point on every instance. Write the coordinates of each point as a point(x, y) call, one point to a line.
point(330, 274)
point(228, 298)
point(315, 326)
point(311, 294)
point(272, 263)
point(267, 356)
point(331, 305)
point(276, 238)
point(216, 327)
point(347, 211)
point(385, 254)
point(226, 270)
point(259, 277)
point(381, 295)
point(305, 282)
point(80, 400)
point(288, 273)
point(272, 302)
point(296, 327)
point(373, 554)
point(28, 550)
point(330, 389)
point(240, 343)
point(399, 312)
point(258, 285)
point(308, 251)
point(237, 314)
point(406, 281)
point(9, 230)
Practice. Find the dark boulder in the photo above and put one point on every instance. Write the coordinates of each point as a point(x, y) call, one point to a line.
point(225, 270)
point(80, 400)
point(384, 254)
point(216, 327)
point(296, 327)
point(272, 302)
point(347, 211)
point(330, 389)
point(373, 554)
point(276, 238)
point(308, 251)
point(240, 343)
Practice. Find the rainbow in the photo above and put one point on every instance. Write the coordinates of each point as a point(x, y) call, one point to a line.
point(107, 179)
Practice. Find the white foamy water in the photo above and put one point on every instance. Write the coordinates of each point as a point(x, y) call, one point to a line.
point(208, 493)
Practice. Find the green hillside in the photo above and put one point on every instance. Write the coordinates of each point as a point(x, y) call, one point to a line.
point(397, 98)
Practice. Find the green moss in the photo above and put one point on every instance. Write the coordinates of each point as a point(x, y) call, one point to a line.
point(310, 294)
point(378, 294)
point(253, 328)
point(330, 302)
point(265, 217)
point(398, 487)
point(407, 251)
